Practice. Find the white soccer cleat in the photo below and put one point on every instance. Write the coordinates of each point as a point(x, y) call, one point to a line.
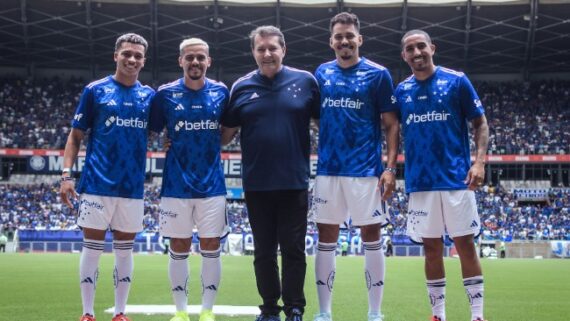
point(323, 317)
point(375, 317)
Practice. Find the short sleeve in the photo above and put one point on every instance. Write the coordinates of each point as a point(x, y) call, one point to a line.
point(85, 113)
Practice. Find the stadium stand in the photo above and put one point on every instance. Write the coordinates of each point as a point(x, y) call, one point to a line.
point(524, 118)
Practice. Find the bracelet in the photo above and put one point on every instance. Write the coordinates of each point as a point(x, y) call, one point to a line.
point(67, 178)
point(392, 170)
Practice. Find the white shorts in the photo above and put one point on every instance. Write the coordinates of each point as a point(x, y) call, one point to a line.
point(108, 212)
point(437, 213)
point(338, 198)
point(179, 216)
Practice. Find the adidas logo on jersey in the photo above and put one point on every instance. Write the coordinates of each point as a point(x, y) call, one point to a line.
point(409, 99)
point(428, 117)
point(112, 103)
point(342, 103)
point(474, 224)
point(179, 107)
point(126, 122)
point(327, 83)
point(253, 96)
point(199, 125)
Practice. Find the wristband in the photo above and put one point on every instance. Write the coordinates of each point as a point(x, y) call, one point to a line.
point(66, 170)
point(392, 170)
point(67, 178)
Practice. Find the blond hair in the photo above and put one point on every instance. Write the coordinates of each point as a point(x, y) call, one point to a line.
point(193, 42)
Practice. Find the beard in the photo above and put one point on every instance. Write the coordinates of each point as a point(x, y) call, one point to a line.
point(195, 75)
point(346, 54)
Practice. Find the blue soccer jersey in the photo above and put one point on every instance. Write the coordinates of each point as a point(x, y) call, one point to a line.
point(193, 167)
point(117, 117)
point(352, 101)
point(434, 116)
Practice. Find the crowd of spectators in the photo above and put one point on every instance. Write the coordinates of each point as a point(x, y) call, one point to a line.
point(502, 215)
point(524, 117)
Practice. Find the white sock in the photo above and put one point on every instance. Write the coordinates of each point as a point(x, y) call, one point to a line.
point(375, 267)
point(436, 292)
point(178, 273)
point(89, 272)
point(474, 288)
point(325, 268)
point(123, 273)
point(211, 274)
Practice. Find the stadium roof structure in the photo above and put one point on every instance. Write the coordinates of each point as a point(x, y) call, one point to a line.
point(486, 36)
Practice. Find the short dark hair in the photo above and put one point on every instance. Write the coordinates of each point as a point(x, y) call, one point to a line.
point(415, 32)
point(345, 18)
point(267, 31)
point(132, 38)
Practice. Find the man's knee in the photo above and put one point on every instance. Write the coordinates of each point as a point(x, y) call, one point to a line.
point(180, 245)
point(370, 233)
point(210, 243)
point(328, 233)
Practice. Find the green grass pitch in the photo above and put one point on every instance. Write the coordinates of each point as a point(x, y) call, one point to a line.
point(45, 287)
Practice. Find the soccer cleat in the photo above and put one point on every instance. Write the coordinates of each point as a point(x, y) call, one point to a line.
point(375, 317)
point(295, 315)
point(434, 318)
point(120, 317)
point(267, 317)
point(322, 317)
point(181, 316)
point(87, 317)
point(479, 319)
point(207, 315)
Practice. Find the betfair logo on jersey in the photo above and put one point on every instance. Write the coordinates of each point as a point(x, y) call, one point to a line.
point(342, 103)
point(126, 122)
point(199, 125)
point(428, 117)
